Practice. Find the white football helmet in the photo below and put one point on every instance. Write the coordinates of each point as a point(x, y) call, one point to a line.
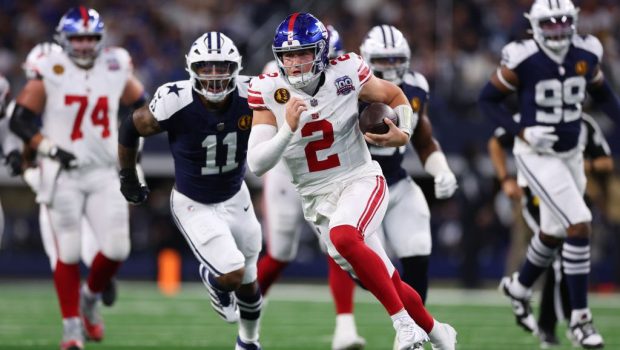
point(213, 63)
point(553, 22)
point(387, 52)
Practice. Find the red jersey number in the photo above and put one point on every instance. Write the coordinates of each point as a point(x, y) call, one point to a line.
point(99, 116)
point(311, 149)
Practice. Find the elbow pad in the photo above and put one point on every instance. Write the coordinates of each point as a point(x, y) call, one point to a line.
point(128, 135)
point(24, 123)
point(407, 119)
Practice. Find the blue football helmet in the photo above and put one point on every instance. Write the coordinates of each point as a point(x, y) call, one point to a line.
point(301, 31)
point(81, 22)
point(335, 44)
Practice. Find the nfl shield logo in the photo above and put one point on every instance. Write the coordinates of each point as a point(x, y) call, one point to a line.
point(344, 85)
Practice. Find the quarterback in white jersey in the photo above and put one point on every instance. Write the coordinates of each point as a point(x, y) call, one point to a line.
point(343, 191)
point(77, 92)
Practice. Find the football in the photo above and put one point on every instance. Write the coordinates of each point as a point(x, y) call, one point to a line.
point(371, 119)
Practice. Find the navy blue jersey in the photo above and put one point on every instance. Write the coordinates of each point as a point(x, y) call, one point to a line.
point(591, 139)
point(552, 92)
point(415, 87)
point(209, 147)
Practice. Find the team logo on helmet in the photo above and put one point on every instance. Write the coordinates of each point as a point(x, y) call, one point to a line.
point(245, 121)
point(415, 104)
point(282, 95)
point(581, 67)
point(344, 85)
point(58, 69)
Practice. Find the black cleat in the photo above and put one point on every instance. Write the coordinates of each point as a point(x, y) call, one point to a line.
point(108, 296)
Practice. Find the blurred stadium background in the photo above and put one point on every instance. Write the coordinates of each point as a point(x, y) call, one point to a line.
point(455, 44)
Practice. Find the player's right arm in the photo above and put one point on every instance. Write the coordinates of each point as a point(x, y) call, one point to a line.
point(28, 106)
point(141, 123)
point(267, 144)
point(491, 100)
point(498, 159)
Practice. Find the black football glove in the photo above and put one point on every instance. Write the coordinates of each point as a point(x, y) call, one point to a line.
point(14, 162)
point(131, 188)
point(66, 159)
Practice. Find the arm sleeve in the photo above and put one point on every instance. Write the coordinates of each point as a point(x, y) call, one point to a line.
point(266, 146)
point(492, 106)
point(606, 100)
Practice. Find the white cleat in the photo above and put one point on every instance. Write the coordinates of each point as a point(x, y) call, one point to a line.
point(72, 334)
point(521, 307)
point(345, 334)
point(409, 335)
point(582, 332)
point(224, 303)
point(348, 342)
point(443, 337)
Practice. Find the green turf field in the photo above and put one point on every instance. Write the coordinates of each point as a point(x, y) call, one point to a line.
point(296, 317)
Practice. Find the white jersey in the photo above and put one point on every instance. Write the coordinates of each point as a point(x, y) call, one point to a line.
point(81, 108)
point(328, 147)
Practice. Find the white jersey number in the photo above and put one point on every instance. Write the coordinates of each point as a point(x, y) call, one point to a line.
point(555, 94)
point(311, 149)
point(230, 144)
point(99, 116)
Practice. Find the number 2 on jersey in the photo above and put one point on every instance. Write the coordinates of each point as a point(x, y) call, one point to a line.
point(311, 149)
point(99, 116)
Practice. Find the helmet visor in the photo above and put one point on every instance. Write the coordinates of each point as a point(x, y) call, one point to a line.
point(557, 28)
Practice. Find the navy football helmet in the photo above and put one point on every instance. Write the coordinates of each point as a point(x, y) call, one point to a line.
point(301, 31)
point(85, 23)
point(335, 44)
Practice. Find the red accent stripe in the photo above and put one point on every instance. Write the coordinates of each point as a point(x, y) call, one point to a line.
point(382, 195)
point(84, 13)
point(256, 100)
point(374, 191)
point(373, 204)
point(254, 92)
point(291, 23)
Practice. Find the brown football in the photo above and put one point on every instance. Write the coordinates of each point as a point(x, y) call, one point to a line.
point(371, 119)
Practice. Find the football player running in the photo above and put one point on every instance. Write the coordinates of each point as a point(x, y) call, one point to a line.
point(77, 92)
point(208, 122)
point(32, 176)
point(554, 302)
point(284, 220)
point(9, 145)
point(307, 114)
point(406, 226)
point(551, 74)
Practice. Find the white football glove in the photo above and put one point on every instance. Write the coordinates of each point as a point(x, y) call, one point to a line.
point(540, 138)
point(445, 185)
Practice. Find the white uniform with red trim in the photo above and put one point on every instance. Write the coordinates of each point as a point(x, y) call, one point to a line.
point(81, 116)
point(327, 156)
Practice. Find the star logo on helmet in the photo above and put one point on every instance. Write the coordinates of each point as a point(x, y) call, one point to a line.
point(174, 89)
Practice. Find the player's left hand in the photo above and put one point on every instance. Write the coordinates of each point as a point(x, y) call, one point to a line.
point(445, 185)
point(395, 137)
point(14, 162)
point(132, 189)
